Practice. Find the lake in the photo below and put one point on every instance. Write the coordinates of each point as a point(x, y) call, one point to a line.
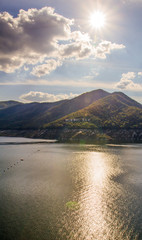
point(51, 191)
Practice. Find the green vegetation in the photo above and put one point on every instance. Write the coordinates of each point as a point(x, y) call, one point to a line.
point(91, 117)
point(111, 112)
point(72, 205)
point(37, 115)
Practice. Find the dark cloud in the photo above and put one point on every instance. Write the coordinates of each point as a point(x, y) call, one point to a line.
point(32, 33)
point(77, 50)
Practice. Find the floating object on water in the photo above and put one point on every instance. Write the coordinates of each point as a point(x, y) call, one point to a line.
point(22, 159)
point(72, 205)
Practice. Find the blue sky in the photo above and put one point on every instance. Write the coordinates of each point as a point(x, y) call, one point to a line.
point(49, 49)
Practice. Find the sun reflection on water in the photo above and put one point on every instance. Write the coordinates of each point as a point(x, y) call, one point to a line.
point(100, 214)
point(98, 168)
point(89, 172)
point(92, 211)
point(72, 192)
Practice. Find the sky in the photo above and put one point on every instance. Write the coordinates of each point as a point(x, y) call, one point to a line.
point(51, 49)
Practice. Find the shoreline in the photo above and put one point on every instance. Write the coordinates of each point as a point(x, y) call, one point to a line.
point(88, 136)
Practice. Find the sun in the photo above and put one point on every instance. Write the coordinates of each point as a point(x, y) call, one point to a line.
point(97, 20)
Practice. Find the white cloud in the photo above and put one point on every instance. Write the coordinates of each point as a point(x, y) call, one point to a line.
point(91, 76)
point(26, 68)
point(38, 34)
point(105, 47)
point(46, 68)
point(129, 75)
point(139, 73)
point(126, 82)
point(80, 37)
point(45, 97)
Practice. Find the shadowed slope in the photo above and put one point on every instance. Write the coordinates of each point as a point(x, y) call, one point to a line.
point(35, 115)
point(113, 111)
point(6, 104)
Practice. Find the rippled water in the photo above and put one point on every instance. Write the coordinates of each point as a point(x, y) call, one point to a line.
point(52, 191)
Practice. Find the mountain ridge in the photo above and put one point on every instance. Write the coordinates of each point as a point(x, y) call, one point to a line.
point(109, 108)
point(10, 103)
point(95, 116)
point(34, 115)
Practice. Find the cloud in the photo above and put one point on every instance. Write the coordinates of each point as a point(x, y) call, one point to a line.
point(105, 47)
point(84, 49)
point(126, 82)
point(78, 50)
point(26, 68)
point(132, 1)
point(45, 97)
point(36, 35)
point(46, 68)
point(68, 83)
point(80, 47)
point(31, 36)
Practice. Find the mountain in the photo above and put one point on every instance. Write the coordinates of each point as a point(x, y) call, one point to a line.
point(115, 111)
point(35, 115)
point(92, 117)
point(24, 116)
point(6, 104)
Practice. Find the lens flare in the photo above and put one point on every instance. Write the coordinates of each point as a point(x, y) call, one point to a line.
point(97, 19)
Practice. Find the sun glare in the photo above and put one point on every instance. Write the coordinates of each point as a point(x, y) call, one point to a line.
point(97, 19)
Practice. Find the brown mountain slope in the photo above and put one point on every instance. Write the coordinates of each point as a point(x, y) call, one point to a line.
point(35, 115)
point(113, 111)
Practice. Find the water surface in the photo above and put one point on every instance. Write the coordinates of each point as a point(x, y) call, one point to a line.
point(51, 191)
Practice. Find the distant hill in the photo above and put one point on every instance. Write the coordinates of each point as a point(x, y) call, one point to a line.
point(25, 116)
point(36, 115)
point(6, 104)
point(114, 111)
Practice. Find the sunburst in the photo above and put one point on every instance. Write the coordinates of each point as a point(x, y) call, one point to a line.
point(97, 19)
